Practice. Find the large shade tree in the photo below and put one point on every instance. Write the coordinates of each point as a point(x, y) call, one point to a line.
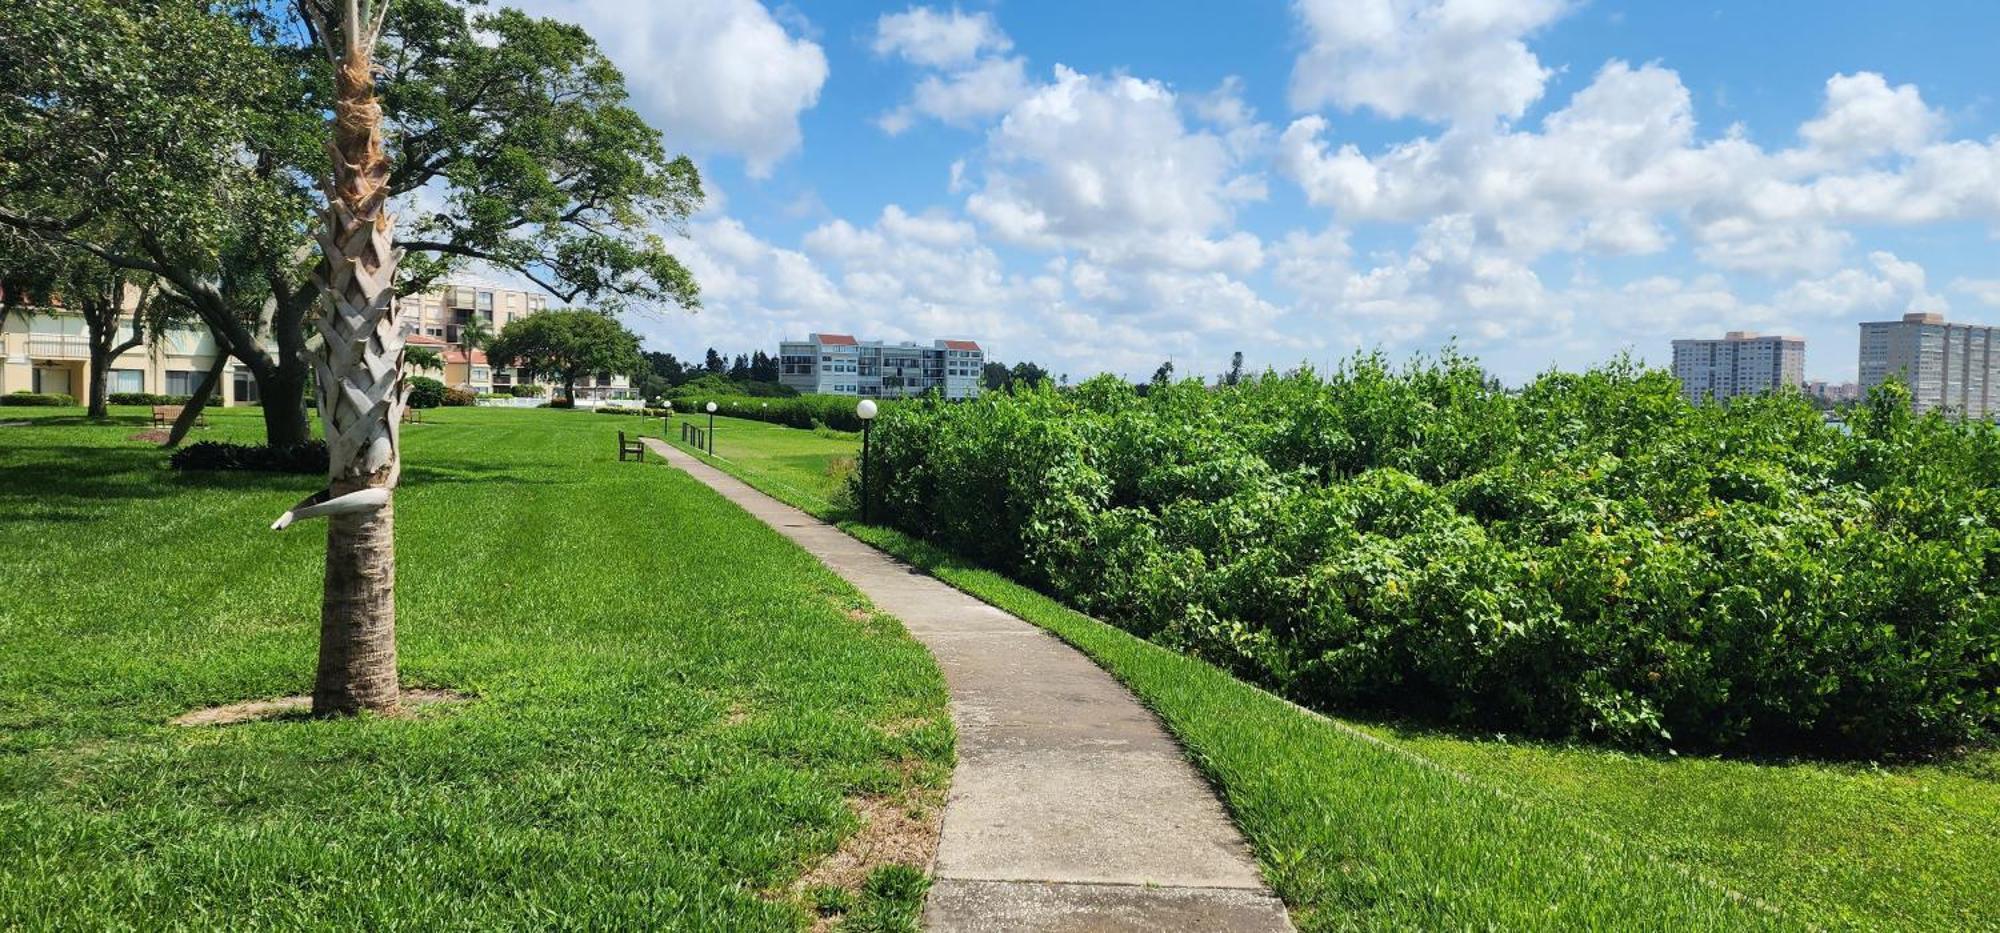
point(191, 131)
point(566, 345)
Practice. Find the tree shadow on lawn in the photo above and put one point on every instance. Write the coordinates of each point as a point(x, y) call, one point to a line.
point(75, 483)
point(450, 473)
point(109, 421)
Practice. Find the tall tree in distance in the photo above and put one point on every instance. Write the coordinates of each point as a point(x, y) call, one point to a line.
point(994, 376)
point(474, 334)
point(1027, 375)
point(358, 370)
point(713, 362)
point(567, 344)
point(1235, 375)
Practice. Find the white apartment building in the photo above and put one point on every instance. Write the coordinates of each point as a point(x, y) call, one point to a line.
point(1741, 363)
point(1954, 368)
point(838, 364)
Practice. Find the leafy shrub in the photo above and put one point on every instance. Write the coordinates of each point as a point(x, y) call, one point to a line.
point(426, 392)
point(37, 399)
point(307, 457)
point(525, 391)
point(558, 403)
point(455, 397)
point(1591, 557)
point(146, 398)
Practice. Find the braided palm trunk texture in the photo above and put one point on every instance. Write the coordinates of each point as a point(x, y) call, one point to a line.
point(361, 393)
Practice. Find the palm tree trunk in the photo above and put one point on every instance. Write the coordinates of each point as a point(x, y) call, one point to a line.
point(359, 384)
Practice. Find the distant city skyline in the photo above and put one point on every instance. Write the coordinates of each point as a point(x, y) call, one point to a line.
point(1549, 182)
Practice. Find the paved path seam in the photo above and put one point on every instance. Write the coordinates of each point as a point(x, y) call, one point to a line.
point(1071, 808)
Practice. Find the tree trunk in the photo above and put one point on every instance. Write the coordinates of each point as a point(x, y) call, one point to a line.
point(357, 618)
point(100, 376)
point(569, 389)
point(281, 391)
point(191, 412)
point(359, 383)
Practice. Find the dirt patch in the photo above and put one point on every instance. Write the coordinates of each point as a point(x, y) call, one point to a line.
point(299, 706)
point(897, 728)
point(893, 832)
point(151, 437)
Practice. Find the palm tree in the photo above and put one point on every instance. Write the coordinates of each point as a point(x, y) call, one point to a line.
point(421, 358)
point(358, 378)
point(474, 334)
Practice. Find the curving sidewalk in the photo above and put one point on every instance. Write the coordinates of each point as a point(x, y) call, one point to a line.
point(1071, 808)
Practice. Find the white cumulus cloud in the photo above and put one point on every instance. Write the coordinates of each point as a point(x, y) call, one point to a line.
point(1445, 60)
point(716, 76)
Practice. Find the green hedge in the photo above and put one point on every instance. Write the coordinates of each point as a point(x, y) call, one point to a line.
point(426, 392)
point(455, 397)
point(146, 398)
point(1591, 557)
point(803, 411)
point(307, 457)
point(26, 399)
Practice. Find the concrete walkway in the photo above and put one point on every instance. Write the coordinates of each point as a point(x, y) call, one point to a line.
point(1071, 808)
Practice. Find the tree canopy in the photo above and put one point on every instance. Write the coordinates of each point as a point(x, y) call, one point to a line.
point(567, 344)
point(185, 139)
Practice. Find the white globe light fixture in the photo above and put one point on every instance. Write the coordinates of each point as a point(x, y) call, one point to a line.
point(711, 408)
point(866, 412)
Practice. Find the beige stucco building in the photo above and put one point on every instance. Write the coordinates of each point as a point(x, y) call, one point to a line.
point(45, 349)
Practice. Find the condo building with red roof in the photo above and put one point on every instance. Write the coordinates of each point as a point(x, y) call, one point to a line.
point(838, 364)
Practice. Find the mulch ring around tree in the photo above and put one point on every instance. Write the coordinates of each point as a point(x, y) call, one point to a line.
point(300, 707)
point(151, 437)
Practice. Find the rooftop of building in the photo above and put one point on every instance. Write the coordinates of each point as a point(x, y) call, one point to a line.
point(848, 340)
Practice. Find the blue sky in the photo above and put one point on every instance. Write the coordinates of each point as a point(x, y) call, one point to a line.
point(1099, 186)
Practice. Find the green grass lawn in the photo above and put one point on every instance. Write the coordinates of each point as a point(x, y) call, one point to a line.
point(805, 469)
point(1532, 834)
point(673, 706)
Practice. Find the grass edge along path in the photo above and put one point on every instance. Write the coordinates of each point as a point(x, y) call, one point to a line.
point(1354, 831)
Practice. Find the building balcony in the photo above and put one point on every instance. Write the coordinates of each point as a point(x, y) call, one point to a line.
point(58, 347)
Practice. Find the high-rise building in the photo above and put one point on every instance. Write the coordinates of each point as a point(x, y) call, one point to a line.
point(1741, 363)
point(1954, 368)
point(838, 364)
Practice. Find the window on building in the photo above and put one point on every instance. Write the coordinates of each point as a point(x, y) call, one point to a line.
point(481, 374)
point(245, 385)
point(126, 380)
point(182, 381)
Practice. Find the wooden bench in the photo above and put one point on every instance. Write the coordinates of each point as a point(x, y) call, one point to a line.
point(633, 447)
point(165, 415)
point(413, 415)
